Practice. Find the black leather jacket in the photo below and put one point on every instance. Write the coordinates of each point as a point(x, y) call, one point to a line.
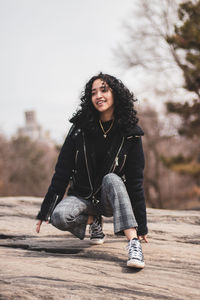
point(76, 163)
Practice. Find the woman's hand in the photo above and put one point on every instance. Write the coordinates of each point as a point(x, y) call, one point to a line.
point(143, 237)
point(38, 225)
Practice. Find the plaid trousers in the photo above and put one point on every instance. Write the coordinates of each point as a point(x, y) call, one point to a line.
point(71, 214)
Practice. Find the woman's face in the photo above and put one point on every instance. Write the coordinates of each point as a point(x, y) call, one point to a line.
point(102, 97)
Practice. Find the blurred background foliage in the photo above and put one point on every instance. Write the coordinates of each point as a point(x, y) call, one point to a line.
point(26, 166)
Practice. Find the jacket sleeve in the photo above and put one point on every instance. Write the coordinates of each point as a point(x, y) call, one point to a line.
point(134, 183)
point(60, 179)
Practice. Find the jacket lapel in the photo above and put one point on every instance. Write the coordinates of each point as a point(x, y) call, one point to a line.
point(90, 158)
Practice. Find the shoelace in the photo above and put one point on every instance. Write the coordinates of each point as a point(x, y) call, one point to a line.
point(95, 228)
point(134, 250)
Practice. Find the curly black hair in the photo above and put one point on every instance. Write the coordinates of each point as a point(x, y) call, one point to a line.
point(125, 115)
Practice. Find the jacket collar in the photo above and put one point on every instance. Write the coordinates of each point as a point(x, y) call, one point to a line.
point(134, 131)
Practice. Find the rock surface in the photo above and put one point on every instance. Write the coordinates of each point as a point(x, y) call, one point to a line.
point(55, 265)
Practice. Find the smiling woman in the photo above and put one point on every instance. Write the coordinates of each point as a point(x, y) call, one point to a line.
point(102, 159)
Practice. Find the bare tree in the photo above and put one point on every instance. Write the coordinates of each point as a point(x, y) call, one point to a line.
point(163, 187)
point(146, 50)
point(26, 167)
point(5, 165)
point(154, 171)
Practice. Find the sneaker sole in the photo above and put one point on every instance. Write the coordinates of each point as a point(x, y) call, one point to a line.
point(135, 264)
point(97, 241)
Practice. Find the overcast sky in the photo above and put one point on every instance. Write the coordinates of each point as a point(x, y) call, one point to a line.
point(48, 50)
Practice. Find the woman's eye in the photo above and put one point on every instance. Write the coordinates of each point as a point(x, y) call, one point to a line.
point(104, 89)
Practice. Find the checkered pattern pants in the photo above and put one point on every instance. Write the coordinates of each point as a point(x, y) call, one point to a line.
point(71, 214)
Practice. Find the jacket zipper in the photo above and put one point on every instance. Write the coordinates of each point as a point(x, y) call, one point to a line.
point(123, 163)
point(86, 161)
point(52, 207)
point(76, 157)
point(114, 165)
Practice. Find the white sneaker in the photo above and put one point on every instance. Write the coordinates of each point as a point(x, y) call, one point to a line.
point(135, 255)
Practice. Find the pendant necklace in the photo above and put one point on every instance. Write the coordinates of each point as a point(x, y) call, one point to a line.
point(106, 132)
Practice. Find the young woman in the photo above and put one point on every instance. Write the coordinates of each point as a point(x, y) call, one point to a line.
point(102, 159)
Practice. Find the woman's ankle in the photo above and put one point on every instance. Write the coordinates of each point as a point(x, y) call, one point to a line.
point(130, 233)
point(90, 220)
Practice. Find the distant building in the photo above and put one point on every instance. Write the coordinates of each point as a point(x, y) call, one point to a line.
point(33, 130)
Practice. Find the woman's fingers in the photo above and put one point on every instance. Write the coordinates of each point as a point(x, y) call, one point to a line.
point(143, 237)
point(38, 225)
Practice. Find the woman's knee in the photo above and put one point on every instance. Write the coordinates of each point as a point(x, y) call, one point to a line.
point(66, 214)
point(112, 178)
point(113, 188)
point(57, 219)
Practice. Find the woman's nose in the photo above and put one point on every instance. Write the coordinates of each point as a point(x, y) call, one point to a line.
point(99, 94)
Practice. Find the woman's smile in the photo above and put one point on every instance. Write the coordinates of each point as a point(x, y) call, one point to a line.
point(100, 102)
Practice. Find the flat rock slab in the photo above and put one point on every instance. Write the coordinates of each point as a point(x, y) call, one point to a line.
point(55, 265)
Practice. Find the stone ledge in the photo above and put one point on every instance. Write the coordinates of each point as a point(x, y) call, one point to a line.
point(55, 265)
